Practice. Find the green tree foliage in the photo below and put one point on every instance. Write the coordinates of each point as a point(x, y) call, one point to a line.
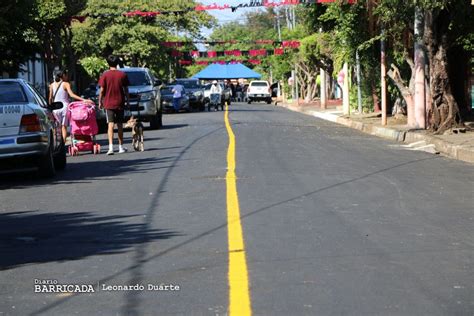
point(52, 24)
point(136, 39)
point(94, 66)
point(257, 25)
point(448, 39)
point(17, 38)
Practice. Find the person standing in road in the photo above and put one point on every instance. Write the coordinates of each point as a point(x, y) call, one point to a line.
point(178, 91)
point(60, 91)
point(216, 88)
point(114, 97)
point(232, 90)
point(238, 92)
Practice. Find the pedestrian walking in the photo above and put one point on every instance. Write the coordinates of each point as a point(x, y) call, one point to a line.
point(60, 91)
point(232, 90)
point(114, 97)
point(238, 92)
point(178, 91)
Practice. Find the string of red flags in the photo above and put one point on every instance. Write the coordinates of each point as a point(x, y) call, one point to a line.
point(226, 53)
point(214, 6)
point(183, 62)
point(289, 43)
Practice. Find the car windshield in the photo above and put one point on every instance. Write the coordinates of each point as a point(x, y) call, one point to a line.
point(138, 78)
point(12, 92)
point(259, 84)
point(166, 90)
point(189, 84)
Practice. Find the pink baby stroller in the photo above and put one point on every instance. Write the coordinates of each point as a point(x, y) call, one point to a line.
point(82, 118)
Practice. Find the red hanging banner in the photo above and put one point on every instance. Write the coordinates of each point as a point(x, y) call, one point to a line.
point(258, 52)
point(278, 51)
point(292, 44)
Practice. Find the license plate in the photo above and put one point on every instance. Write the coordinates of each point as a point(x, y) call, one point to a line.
point(7, 141)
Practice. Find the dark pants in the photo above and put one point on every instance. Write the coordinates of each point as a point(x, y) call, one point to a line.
point(176, 104)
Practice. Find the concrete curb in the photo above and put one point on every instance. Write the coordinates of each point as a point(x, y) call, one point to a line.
point(448, 149)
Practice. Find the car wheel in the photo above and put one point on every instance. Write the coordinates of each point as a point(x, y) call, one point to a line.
point(249, 101)
point(160, 119)
point(60, 157)
point(156, 121)
point(269, 101)
point(46, 164)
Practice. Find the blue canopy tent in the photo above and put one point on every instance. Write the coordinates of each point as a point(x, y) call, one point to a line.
point(227, 71)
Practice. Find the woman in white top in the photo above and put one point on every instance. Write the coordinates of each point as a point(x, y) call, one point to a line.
point(60, 91)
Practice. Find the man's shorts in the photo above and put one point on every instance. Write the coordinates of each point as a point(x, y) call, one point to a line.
point(114, 116)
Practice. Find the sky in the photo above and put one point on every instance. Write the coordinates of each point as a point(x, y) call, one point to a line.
point(225, 16)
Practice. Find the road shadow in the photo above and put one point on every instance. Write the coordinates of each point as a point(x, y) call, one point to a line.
point(173, 126)
point(230, 110)
point(38, 237)
point(86, 171)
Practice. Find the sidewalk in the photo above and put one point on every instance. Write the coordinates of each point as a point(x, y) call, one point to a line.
point(458, 146)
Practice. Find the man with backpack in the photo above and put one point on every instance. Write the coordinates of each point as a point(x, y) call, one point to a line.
point(114, 97)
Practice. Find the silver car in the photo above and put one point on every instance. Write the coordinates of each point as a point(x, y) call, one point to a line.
point(30, 136)
point(145, 97)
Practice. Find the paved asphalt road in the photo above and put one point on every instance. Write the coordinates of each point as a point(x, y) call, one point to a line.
point(335, 222)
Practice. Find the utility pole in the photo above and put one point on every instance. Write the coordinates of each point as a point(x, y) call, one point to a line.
point(293, 94)
point(278, 25)
point(297, 92)
point(359, 93)
point(322, 87)
point(345, 93)
point(420, 95)
point(293, 17)
point(323, 96)
point(296, 85)
point(383, 83)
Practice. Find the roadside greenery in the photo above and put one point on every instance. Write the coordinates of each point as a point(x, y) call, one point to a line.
point(48, 28)
point(330, 35)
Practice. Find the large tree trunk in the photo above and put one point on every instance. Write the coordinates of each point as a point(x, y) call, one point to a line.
point(307, 81)
point(407, 91)
point(444, 112)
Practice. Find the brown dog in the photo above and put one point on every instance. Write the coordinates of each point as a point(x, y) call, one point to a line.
point(137, 133)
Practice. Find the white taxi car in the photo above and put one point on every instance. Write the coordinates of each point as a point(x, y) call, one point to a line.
point(30, 136)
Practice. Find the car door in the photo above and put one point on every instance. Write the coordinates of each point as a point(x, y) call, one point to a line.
point(156, 91)
point(50, 119)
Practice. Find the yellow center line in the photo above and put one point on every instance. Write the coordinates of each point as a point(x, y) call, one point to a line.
point(239, 297)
